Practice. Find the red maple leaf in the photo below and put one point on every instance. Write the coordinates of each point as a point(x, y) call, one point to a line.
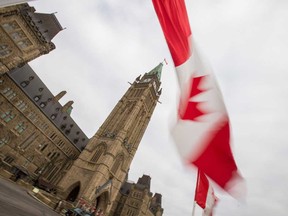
point(189, 110)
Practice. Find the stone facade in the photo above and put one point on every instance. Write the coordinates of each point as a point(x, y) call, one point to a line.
point(136, 199)
point(100, 170)
point(25, 35)
point(33, 142)
point(40, 144)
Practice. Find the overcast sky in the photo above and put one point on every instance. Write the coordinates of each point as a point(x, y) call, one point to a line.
point(109, 43)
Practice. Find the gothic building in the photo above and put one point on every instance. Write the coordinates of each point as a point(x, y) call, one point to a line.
point(42, 145)
point(40, 142)
point(136, 199)
point(39, 139)
point(100, 170)
point(25, 35)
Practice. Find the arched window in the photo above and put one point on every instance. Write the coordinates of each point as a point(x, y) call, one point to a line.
point(99, 151)
point(117, 163)
point(4, 50)
point(7, 116)
point(20, 127)
point(4, 140)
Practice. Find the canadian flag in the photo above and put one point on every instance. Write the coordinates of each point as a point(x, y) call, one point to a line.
point(204, 194)
point(202, 131)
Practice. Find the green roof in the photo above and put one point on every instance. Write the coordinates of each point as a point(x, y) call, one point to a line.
point(157, 70)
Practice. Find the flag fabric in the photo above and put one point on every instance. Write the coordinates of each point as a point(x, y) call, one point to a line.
point(204, 194)
point(202, 131)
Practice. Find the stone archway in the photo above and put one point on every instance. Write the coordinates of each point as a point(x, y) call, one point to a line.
point(74, 192)
point(102, 201)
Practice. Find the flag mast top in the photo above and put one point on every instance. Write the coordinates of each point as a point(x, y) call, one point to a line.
point(165, 61)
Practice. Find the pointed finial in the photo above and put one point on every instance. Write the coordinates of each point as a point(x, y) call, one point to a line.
point(157, 70)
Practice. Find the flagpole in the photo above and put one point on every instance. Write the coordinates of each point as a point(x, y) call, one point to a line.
point(193, 211)
point(194, 204)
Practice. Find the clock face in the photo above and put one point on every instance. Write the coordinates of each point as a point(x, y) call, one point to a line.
point(147, 80)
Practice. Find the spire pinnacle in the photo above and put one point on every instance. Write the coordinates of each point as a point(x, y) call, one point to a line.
point(157, 70)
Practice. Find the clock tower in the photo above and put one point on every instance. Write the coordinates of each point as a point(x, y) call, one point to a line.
point(102, 167)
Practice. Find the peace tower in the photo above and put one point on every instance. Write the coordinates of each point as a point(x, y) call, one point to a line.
point(97, 175)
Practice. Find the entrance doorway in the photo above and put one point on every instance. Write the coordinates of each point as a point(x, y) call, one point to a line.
point(101, 201)
point(72, 196)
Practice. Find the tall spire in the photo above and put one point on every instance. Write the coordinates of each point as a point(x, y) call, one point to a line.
point(157, 70)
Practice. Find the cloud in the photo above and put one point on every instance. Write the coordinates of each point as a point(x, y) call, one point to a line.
point(108, 43)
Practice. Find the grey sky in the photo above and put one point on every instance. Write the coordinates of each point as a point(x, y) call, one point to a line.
point(108, 43)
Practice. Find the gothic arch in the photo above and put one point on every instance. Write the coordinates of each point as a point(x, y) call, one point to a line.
point(102, 201)
point(118, 162)
point(99, 151)
point(73, 193)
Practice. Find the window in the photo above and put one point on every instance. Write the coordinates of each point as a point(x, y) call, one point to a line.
point(137, 194)
point(53, 136)
point(23, 44)
point(98, 152)
point(20, 127)
point(52, 173)
point(8, 159)
point(4, 140)
point(53, 116)
point(56, 156)
point(7, 116)
point(18, 35)
point(117, 164)
point(37, 97)
point(21, 105)
point(38, 170)
point(10, 26)
point(43, 126)
point(8, 92)
point(32, 116)
point(24, 83)
point(27, 142)
point(11, 96)
point(5, 50)
point(42, 147)
point(49, 154)
point(43, 104)
point(5, 90)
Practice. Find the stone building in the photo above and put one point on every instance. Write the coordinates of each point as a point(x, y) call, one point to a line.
point(100, 170)
point(38, 138)
point(136, 199)
point(25, 35)
point(41, 144)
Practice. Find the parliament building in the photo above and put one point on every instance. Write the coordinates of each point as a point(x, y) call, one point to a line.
point(42, 146)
